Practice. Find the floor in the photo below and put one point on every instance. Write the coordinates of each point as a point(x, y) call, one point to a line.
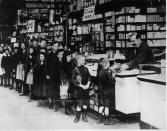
point(17, 113)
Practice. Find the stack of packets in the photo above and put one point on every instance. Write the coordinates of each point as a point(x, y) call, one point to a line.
point(116, 68)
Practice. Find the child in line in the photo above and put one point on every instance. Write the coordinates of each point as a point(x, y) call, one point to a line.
point(81, 79)
point(30, 62)
point(40, 82)
point(68, 67)
point(106, 76)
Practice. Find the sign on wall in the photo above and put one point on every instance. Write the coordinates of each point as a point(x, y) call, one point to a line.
point(89, 13)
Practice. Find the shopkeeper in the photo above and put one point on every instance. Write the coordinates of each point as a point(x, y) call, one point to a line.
point(144, 54)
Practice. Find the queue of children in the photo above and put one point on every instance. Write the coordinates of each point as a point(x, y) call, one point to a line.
point(42, 73)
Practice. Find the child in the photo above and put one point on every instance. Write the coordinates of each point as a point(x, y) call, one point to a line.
point(30, 61)
point(80, 79)
point(68, 66)
point(40, 82)
point(6, 65)
point(107, 85)
point(1, 69)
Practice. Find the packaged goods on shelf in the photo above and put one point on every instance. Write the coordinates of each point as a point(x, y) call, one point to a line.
point(110, 13)
point(96, 108)
point(151, 10)
point(120, 19)
point(140, 18)
point(91, 107)
point(96, 103)
point(92, 102)
point(156, 43)
point(109, 29)
point(119, 43)
point(121, 28)
point(129, 44)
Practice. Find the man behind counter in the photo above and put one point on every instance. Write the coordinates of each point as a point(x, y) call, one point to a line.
point(144, 54)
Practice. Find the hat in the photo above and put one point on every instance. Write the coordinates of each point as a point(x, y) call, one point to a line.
point(6, 48)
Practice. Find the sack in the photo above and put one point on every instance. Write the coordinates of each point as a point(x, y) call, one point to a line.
point(64, 90)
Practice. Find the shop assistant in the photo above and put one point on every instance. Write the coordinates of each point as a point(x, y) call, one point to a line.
point(144, 54)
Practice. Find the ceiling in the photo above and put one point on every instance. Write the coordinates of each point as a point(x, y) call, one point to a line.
point(8, 11)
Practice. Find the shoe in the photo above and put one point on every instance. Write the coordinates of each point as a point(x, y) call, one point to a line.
point(107, 121)
point(11, 88)
point(55, 108)
point(84, 117)
point(77, 117)
point(67, 112)
point(39, 104)
point(100, 119)
point(22, 95)
point(30, 100)
point(51, 105)
point(73, 110)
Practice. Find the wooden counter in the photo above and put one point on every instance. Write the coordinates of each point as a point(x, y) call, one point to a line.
point(127, 91)
point(152, 101)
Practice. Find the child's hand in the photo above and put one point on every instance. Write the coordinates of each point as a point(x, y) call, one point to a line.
point(115, 68)
point(47, 77)
point(79, 78)
point(114, 74)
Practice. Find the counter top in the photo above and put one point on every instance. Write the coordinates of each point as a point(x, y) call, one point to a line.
point(129, 73)
point(133, 73)
point(154, 78)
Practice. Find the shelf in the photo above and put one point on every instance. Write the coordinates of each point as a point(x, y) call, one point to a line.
point(127, 39)
point(35, 32)
point(132, 23)
point(158, 22)
point(80, 35)
point(135, 23)
point(160, 47)
point(156, 30)
point(127, 14)
point(130, 31)
point(122, 48)
point(156, 38)
point(109, 24)
point(110, 32)
point(156, 13)
point(110, 40)
point(56, 25)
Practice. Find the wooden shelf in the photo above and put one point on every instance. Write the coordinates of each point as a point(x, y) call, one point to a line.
point(156, 30)
point(110, 32)
point(158, 22)
point(127, 14)
point(156, 13)
point(156, 38)
point(160, 47)
point(122, 48)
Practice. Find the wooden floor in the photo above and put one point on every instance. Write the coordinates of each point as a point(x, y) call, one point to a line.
point(17, 113)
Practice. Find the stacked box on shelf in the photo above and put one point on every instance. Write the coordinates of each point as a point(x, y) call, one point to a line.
point(110, 29)
point(94, 100)
point(156, 27)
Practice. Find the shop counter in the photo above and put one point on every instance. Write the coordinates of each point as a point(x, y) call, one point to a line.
point(127, 91)
point(152, 100)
